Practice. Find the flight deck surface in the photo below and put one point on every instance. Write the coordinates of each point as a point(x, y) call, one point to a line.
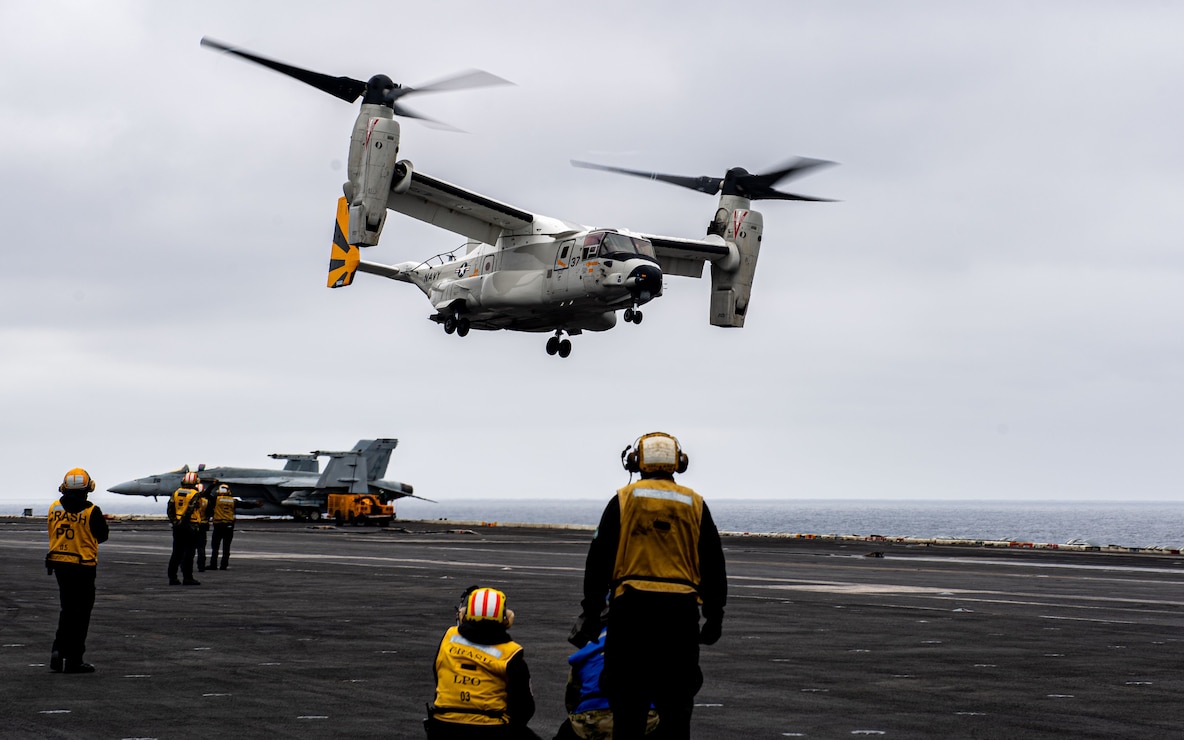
point(319, 631)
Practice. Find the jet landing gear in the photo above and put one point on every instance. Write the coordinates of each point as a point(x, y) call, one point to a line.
point(458, 324)
point(632, 316)
point(558, 345)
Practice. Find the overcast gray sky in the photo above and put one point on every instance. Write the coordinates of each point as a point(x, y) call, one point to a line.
point(994, 310)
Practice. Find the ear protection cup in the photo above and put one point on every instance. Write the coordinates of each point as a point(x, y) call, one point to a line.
point(629, 459)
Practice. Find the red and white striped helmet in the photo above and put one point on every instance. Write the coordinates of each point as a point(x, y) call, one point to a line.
point(484, 604)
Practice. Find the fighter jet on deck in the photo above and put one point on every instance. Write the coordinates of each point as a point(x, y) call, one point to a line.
point(300, 489)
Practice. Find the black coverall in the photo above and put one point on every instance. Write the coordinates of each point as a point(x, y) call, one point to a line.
point(221, 538)
point(184, 543)
point(651, 653)
point(76, 589)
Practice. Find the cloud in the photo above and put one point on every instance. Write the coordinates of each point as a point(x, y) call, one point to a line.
point(989, 312)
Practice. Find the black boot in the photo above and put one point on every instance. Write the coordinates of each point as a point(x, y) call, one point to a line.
point(77, 666)
point(55, 662)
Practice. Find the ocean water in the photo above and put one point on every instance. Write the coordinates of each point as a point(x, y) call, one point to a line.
point(1149, 524)
point(1137, 524)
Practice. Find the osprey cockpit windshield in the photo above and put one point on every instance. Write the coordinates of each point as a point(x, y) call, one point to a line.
point(609, 245)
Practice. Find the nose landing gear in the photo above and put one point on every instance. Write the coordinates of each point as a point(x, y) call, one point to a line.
point(558, 345)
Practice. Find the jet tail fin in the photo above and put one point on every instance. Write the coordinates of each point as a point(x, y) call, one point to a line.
point(343, 256)
point(345, 470)
point(378, 454)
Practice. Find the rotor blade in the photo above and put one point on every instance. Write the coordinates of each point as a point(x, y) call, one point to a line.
point(460, 81)
point(344, 88)
point(405, 112)
point(709, 185)
point(796, 168)
point(771, 194)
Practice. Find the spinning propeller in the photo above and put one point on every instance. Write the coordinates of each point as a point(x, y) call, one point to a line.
point(738, 181)
point(378, 90)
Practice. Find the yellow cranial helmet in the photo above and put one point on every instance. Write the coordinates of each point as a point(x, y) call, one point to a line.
point(656, 452)
point(77, 480)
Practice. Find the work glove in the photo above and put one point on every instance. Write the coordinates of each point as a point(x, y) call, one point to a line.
point(711, 630)
point(585, 630)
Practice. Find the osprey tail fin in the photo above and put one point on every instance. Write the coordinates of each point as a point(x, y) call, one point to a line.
point(343, 256)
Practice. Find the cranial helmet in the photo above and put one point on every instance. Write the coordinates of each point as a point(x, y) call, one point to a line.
point(77, 480)
point(656, 452)
point(189, 480)
point(223, 488)
point(485, 604)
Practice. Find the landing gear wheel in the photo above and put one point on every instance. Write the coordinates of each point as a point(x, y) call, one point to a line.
point(628, 316)
point(462, 327)
point(450, 325)
point(637, 317)
point(565, 348)
point(552, 345)
point(314, 515)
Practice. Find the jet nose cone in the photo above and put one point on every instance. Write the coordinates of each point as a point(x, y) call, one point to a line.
point(645, 281)
point(129, 488)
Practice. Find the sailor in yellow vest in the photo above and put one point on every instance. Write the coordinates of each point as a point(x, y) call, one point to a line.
point(657, 557)
point(482, 680)
point(184, 513)
point(76, 527)
point(204, 510)
point(224, 506)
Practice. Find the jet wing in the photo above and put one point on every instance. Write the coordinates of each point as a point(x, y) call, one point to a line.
point(685, 257)
point(278, 481)
point(455, 209)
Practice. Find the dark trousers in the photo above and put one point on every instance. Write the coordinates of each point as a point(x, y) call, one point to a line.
point(184, 547)
point(76, 587)
point(651, 654)
point(223, 534)
point(199, 545)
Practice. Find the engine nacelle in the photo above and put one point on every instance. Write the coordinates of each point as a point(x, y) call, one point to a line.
point(402, 181)
point(731, 279)
point(373, 151)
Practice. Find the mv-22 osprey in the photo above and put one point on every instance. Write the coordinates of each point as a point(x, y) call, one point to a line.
point(520, 270)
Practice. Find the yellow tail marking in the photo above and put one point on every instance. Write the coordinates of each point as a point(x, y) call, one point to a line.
point(343, 256)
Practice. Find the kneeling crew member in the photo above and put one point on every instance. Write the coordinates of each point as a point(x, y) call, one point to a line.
point(76, 527)
point(482, 680)
point(658, 555)
point(589, 716)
